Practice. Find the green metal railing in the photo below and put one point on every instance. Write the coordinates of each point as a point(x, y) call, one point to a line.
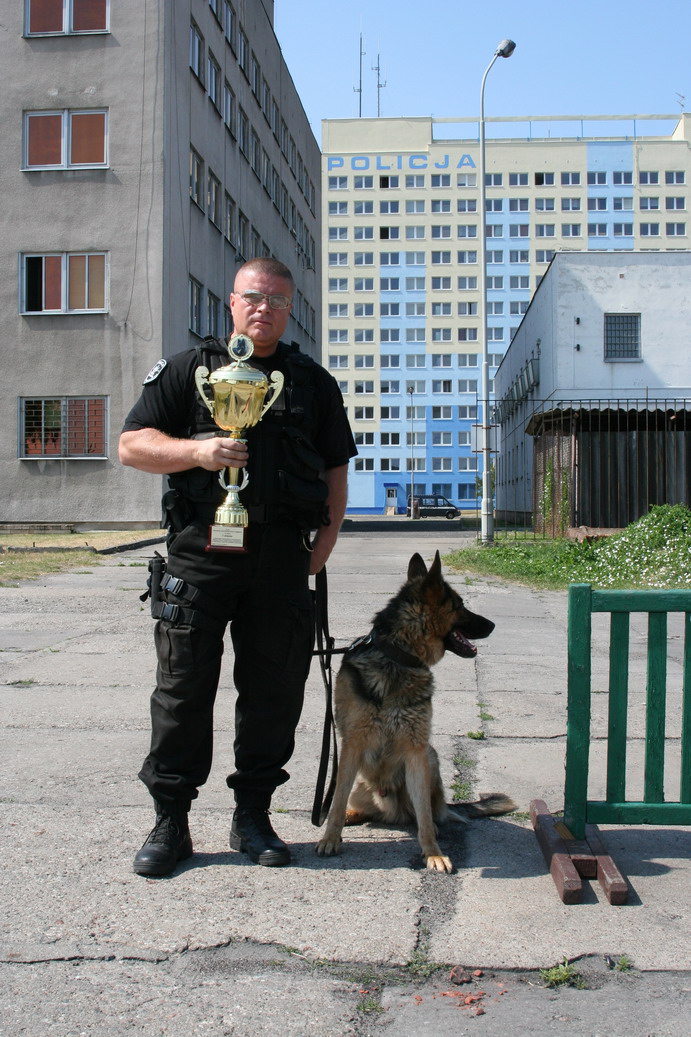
point(616, 809)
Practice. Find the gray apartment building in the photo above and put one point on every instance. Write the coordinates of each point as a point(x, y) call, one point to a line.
point(148, 149)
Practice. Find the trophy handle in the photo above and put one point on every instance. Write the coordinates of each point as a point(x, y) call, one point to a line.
point(201, 377)
point(275, 389)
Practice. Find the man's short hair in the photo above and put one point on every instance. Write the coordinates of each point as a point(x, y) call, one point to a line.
point(269, 267)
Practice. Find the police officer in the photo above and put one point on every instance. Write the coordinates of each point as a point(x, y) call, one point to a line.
point(296, 458)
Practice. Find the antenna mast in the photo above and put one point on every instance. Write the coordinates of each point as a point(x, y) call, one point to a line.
point(380, 86)
point(358, 89)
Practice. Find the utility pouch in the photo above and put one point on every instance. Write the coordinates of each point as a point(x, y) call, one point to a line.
point(157, 569)
point(302, 490)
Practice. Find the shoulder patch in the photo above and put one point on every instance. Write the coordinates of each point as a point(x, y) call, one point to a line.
point(155, 372)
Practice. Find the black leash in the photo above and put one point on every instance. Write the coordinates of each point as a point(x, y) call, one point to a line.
point(325, 649)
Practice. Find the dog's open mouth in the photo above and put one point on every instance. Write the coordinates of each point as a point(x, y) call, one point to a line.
point(456, 642)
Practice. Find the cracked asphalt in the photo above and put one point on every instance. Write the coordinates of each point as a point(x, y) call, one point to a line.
point(360, 944)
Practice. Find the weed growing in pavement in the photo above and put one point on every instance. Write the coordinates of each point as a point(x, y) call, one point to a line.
point(623, 963)
point(462, 787)
point(563, 975)
point(654, 551)
point(477, 736)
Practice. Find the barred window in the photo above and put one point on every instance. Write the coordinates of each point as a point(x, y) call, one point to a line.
point(68, 426)
point(622, 336)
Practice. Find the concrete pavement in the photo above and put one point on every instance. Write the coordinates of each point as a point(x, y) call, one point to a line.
point(347, 945)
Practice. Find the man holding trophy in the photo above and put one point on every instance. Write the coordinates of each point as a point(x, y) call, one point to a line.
point(256, 452)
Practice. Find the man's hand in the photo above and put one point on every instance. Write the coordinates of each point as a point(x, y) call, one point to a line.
point(217, 453)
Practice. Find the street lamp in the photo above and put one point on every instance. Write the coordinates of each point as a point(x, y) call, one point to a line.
point(412, 455)
point(504, 50)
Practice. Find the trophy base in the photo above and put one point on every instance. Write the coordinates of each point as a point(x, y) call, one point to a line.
point(227, 538)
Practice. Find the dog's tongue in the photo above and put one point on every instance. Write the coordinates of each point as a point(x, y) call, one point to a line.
point(459, 644)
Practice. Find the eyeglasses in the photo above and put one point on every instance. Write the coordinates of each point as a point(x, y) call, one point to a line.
point(276, 302)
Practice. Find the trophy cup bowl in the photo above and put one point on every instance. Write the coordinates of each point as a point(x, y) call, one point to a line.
point(236, 396)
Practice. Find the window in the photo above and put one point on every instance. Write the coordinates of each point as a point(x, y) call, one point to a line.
point(197, 52)
point(494, 309)
point(467, 334)
point(466, 180)
point(466, 412)
point(338, 183)
point(571, 205)
point(364, 309)
point(571, 230)
point(389, 208)
point(494, 205)
point(338, 259)
point(466, 205)
point(390, 360)
point(213, 81)
point(518, 179)
point(415, 334)
point(243, 52)
point(467, 257)
point(441, 464)
point(389, 335)
point(623, 230)
point(519, 256)
point(338, 284)
point(544, 204)
point(337, 361)
point(413, 233)
point(441, 230)
point(495, 255)
point(390, 259)
point(442, 385)
point(415, 309)
point(364, 258)
point(570, 179)
point(648, 177)
point(675, 203)
point(622, 336)
point(519, 282)
point(441, 258)
point(338, 233)
point(441, 360)
point(65, 139)
point(544, 230)
point(66, 16)
point(389, 233)
point(195, 307)
point(649, 230)
point(364, 335)
point(390, 413)
point(468, 360)
point(675, 230)
point(519, 204)
point(363, 233)
point(229, 218)
point(544, 179)
point(414, 205)
point(364, 284)
point(364, 388)
point(390, 464)
point(597, 204)
point(338, 336)
point(364, 464)
point(441, 284)
point(467, 385)
point(519, 230)
point(229, 108)
point(213, 200)
point(494, 230)
point(65, 282)
point(337, 310)
point(620, 177)
point(387, 182)
point(495, 282)
point(441, 205)
point(390, 387)
point(338, 208)
point(67, 426)
point(622, 204)
point(415, 180)
point(213, 315)
point(243, 133)
point(415, 284)
point(469, 309)
point(467, 464)
point(650, 203)
point(596, 179)
point(597, 230)
point(415, 259)
point(389, 284)
point(441, 180)
point(467, 284)
point(441, 334)
point(441, 309)
point(545, 255)
point(364, 438)
point(675, 176)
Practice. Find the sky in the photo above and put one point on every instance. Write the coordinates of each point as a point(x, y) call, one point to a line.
point(571, 58)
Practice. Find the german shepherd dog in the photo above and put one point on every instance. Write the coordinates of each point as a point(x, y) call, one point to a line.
point(383, 709)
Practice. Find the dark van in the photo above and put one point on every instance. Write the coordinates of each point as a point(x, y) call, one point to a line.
point(434, 506)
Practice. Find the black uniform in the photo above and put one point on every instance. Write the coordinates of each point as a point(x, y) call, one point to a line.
point(263, 594)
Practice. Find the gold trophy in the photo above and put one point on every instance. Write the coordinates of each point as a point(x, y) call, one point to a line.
point(235, 397)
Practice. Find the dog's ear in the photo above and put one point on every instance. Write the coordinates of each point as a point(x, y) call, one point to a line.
point(434, 577)
point(416, 567)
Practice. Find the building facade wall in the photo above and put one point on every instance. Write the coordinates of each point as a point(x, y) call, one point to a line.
point(401, 278)
point(159, 98)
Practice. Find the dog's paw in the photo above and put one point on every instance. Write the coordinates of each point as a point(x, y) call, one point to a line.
point(439, 863)
point(328, 847)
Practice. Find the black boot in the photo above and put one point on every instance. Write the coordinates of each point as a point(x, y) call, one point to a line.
point(251, 832)
point(168, 842)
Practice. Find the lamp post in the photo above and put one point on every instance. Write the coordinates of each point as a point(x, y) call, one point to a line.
point(412, 455)
point(504, 50)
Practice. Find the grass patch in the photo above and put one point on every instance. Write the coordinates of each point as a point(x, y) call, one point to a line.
point(28, 566)
point(654, 551)
point(563, 975)
point(462, 785)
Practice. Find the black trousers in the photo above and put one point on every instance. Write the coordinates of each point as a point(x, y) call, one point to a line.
point(264, 595)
